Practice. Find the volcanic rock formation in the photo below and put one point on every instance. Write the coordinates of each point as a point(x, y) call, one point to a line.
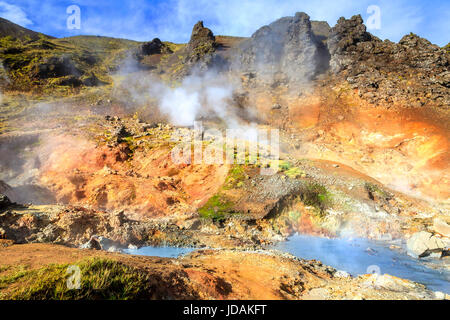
point(287, 46)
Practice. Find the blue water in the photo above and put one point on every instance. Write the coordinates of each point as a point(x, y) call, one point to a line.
point(360, 256)
point(164, 252)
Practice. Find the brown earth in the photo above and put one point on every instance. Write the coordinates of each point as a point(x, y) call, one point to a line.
point(223, 274)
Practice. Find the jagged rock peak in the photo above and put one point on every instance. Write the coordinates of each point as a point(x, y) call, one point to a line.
point(201, 35)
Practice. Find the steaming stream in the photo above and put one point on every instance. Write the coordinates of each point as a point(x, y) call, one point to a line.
point(361, 256)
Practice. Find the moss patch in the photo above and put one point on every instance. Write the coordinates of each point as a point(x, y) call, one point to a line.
point(235, 178)
point(316, 195)
point(217, 208)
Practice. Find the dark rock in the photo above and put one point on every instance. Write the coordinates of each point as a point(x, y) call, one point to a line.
point(4, 201)
point(383, 71)
point(321, 30)
point(201, 38)
point(119, 132)
point(153, 47)
point(343, 40)
point(287, 46)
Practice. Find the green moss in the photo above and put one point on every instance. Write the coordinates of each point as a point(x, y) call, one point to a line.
point(316, 195)
point(100, 279)
point(284, 165)
point(295, 172)
point(235, 176)
point(217, 208)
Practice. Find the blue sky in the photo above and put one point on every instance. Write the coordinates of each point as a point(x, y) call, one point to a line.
point(172, 20)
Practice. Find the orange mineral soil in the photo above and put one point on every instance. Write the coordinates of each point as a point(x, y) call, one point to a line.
point(405, 148)
point(111, 178)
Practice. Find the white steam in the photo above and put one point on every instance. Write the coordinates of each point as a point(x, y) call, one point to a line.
point(197, 96)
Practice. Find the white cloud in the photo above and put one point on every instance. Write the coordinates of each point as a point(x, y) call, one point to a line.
point(14, 13)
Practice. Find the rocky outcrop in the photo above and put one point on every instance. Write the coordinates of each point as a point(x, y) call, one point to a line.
point(201, 48)
point(422, 244)
point(413, 70)
point(288, 47)
point(343, 41)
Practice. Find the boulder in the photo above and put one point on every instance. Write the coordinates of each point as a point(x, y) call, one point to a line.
point(423, 244)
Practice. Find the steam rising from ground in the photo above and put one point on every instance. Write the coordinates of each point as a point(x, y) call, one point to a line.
point(201, 95)
point(198, 95)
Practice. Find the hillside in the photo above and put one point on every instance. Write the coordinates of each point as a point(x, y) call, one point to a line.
point(91, 131)
point(16, 32)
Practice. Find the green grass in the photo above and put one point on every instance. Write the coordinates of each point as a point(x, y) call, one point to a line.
point(100, 279)
point(288, 169)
